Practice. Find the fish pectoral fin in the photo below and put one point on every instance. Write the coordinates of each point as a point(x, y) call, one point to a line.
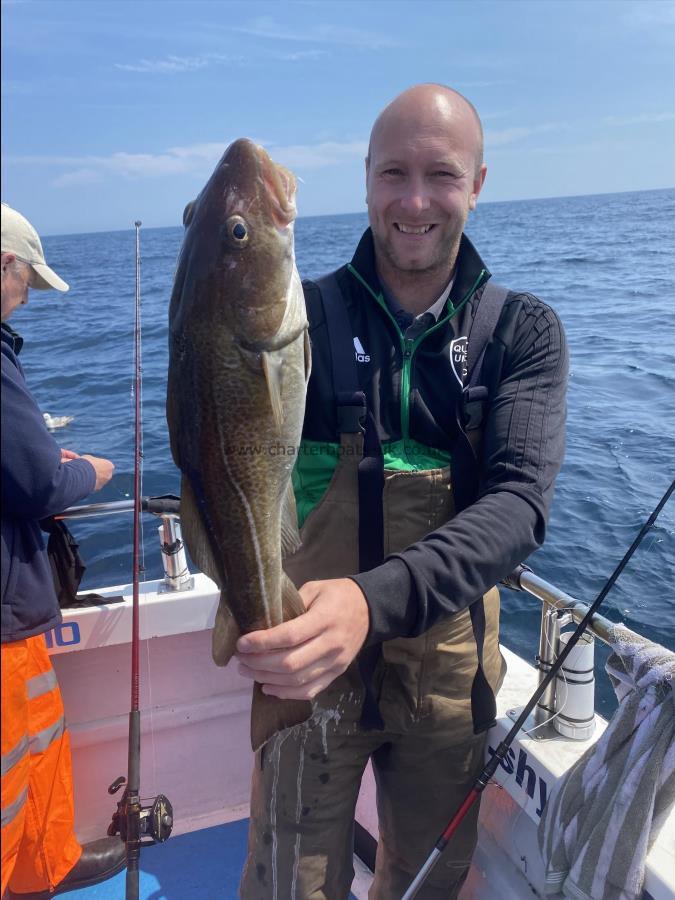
point(226, 633)
point(195, 536)
point(308, 357)
point(290, 536)
point(291, 601)
point(270, 715)
point(271, 365)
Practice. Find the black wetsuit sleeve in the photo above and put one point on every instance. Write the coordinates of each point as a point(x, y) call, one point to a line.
point(523, 447)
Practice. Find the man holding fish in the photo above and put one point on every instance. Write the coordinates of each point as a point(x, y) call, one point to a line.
point(417, 489)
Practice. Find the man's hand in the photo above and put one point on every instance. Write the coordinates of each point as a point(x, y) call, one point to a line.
point(67, 455)
point(300, 658)
point(103, 467)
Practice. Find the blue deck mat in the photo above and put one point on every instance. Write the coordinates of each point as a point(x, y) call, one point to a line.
point(202, 865)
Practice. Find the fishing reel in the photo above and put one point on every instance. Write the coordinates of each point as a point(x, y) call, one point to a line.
point(155, 821)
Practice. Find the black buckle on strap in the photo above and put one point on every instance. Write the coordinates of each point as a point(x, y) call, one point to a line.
point(475, 402)
point(351, 412)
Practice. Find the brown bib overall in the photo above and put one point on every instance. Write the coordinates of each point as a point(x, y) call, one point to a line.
point(306, 779)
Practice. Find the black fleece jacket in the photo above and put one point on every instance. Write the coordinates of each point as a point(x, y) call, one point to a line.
point(525, 370)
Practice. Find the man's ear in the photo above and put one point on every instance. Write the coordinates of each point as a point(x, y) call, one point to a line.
point(478, 183)
point(7, 260)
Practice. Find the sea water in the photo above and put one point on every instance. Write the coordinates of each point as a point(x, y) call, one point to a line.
point(607, 265)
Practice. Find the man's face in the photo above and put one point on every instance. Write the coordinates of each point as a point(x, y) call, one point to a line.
point(421, 180)
point(16, 279)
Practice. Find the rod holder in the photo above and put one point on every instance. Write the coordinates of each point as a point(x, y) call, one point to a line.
point(176, 573)
point(575, 690)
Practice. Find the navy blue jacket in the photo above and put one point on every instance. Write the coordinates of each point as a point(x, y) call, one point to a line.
point(35, 484)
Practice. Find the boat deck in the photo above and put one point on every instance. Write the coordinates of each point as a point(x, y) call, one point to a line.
point(202, 864)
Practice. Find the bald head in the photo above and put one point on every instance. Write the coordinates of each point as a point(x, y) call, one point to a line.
point(430, 106)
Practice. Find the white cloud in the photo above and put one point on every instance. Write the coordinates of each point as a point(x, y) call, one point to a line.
point(649, 14)
point(267, 27)
point(190, 159)
point(301, 55)
point(169, 65)
point(643, 119)
point(517, 133)
point(77, 178)
point(505, 136)
point(318, 156)
point(465, 85)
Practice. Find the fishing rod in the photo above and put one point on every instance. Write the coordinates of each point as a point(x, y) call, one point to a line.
point(133, 820)
point(484, 778)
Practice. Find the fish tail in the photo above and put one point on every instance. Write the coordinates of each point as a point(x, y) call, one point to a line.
point(271, 714)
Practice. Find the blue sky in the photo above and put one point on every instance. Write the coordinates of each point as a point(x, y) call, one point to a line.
point(113, 111)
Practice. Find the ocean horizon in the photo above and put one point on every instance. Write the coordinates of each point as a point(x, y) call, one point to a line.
point(363, 212)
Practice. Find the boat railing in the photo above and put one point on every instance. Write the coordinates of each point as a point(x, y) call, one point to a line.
point(167, 507)
point(573, 689)
point(566, 707)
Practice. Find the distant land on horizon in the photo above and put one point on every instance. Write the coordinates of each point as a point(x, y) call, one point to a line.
point(364, 211)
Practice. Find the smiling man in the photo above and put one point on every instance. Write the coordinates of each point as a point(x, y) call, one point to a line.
point(424, 173)
point(433, 433)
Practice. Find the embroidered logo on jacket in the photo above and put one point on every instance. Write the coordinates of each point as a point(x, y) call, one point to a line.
point(361, 355)
point(458, 348)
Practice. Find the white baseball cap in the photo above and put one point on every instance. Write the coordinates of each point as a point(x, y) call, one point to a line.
point(20, 238)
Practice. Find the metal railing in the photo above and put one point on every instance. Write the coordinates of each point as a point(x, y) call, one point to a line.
point(558, 609)
point(167, 507)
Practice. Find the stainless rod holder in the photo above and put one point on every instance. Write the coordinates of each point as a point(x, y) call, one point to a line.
point(176, 573)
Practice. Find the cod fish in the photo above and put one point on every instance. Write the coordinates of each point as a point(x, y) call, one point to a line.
point(239, 362)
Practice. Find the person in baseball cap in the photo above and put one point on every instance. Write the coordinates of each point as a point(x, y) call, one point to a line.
point(40, 853)
point(20, 242)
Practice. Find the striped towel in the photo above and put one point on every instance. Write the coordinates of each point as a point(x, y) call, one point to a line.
point(603, 816)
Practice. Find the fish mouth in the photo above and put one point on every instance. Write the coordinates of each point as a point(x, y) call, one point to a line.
point(280, 185)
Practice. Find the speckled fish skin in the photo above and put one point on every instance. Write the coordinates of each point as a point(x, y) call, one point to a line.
point(238, 370)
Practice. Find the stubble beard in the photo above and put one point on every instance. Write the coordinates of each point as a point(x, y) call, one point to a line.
point(442, 260)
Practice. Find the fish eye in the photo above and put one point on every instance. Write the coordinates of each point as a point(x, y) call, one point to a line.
point(236, 231)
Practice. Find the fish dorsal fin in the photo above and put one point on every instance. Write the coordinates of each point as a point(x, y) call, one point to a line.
point(195, 536)
point(271, 365)
point(290, 536)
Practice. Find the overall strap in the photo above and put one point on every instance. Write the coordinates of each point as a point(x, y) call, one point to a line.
point(353, 416)
point(470, 410)
point(481, 331)
point(465, 473)
point(349, 398)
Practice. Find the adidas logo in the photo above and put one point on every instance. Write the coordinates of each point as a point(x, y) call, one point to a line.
point(361, 355)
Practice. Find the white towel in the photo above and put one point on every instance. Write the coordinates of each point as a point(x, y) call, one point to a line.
point(603, 816)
